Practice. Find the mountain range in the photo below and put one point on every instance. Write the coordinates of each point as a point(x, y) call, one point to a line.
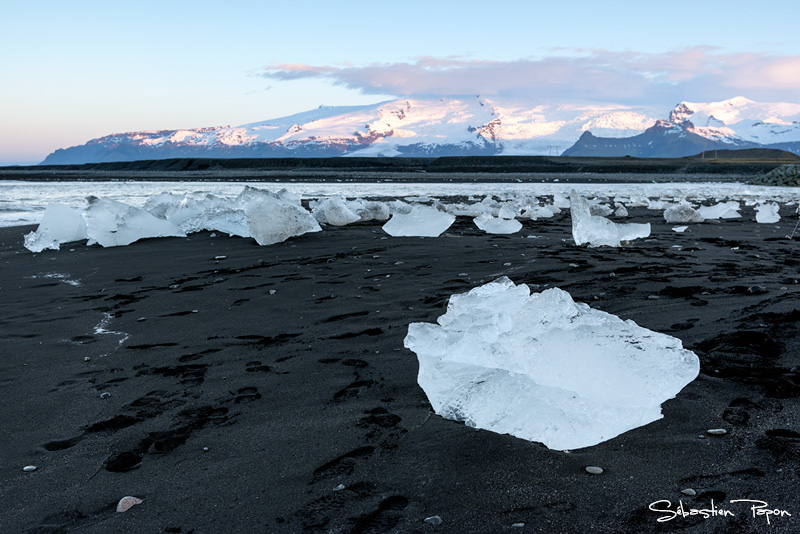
point(466, 126)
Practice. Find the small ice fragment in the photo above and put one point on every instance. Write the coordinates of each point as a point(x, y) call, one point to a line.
point(517, 525)
point(723, 210)
point(272, 291)
point(434, 520)
point(767, 213)
point(621, 212)
point(60, 224)
point(340, 487)
point(271, 219)
point(113, 224)
point(497, 225)
point(334, 211)
point(29, 468)
point(421, 221)
point(717, 432)
point(598, 231)
point(87, 359)
point(220, 257)
point(689, 491)
point(105, 395)
point(682, 213)
point(679, 229)
point(592, 470)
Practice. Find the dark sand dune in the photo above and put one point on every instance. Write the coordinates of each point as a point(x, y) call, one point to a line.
point(287, 363)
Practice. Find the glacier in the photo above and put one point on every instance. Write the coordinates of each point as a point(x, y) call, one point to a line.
point(544, 368)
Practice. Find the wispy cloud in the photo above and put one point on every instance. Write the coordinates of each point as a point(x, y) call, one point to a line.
point(697, 73)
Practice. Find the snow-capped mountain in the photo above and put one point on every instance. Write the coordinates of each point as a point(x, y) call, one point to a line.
point(403, 127)
point(693, 128)
point(466, 126)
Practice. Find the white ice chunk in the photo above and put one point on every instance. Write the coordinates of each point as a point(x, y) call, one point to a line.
point(369, 210)
point(598, 231)
point(679, 229)
point(60, 224)
point(544, 368)
point(682, 213)
point(334, 211)
point(273, 219)
point(767, 213)
point(497, 225)
point(421, 221)
point(621, 211)
point(113, 224)
point(723, 210)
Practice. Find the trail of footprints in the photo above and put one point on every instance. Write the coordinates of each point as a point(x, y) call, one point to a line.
point(342, 507)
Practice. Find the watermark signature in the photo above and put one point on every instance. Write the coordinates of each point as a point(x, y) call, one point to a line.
point(758, 509)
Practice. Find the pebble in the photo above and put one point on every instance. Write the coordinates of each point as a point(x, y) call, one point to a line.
point(717, 432)
point(127, 502)
point(592, 470)
point(434, 520)
point(29, 468)
point(689, 491)
point(105, 395)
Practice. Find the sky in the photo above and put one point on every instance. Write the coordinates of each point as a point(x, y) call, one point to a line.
point(72, 71)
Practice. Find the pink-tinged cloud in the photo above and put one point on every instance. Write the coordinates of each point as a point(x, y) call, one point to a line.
point(698, 73)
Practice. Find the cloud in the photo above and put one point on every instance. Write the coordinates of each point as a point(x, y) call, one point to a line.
point(697, 73)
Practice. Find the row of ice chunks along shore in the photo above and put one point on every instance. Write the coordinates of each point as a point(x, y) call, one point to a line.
point(272, 218)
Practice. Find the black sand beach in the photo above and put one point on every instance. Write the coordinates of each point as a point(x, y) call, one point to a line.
point(266, 389)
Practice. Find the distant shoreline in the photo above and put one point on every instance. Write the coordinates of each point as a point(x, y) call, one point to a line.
point(733, 166)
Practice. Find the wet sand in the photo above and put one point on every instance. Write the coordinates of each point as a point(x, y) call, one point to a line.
point(266, 389)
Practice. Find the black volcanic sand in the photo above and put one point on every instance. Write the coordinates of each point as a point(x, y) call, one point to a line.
point(287, 363)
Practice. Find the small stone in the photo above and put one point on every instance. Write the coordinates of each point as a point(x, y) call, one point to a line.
point(434, 520)
point(717, 432)
point(105, 395)
point(127, 502)
point(592, 470)
point(689, 491)
point(29, 468)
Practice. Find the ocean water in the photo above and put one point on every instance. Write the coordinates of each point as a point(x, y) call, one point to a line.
point(23, 203)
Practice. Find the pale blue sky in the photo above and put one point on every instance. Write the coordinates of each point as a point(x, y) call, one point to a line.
point(73, 71)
